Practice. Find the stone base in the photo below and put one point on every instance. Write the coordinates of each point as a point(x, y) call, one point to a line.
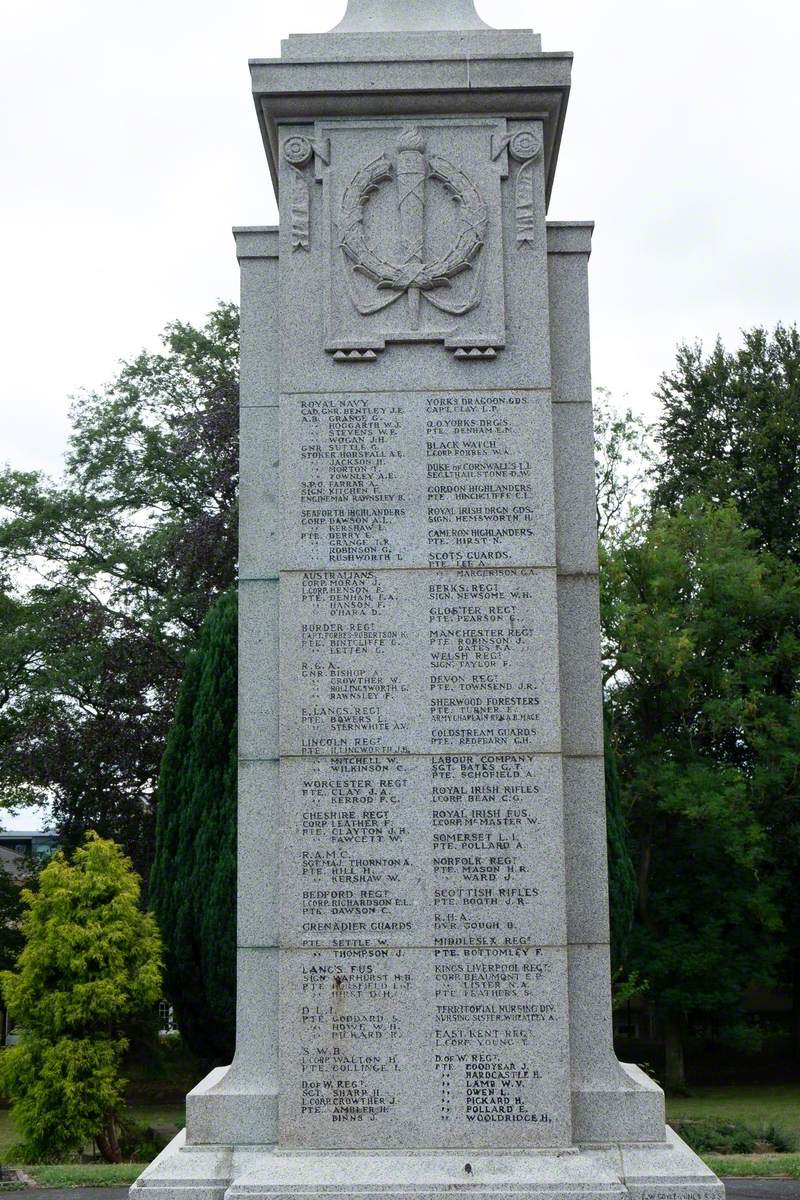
point(227, 1109)
point(649, 1171)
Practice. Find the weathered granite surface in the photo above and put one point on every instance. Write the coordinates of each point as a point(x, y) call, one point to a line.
point(463, 870)
point(423, 965)
point(417, 479)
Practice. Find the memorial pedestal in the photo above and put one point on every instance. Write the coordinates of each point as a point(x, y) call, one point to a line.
point(666, 1170)
point(423, 968)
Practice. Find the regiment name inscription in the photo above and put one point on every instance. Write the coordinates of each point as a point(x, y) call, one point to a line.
point(423, 975)
point(450, 1047)
point(401, 479)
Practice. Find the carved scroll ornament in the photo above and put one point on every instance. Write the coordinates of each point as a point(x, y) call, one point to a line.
point(525, 146)
point(298, 152)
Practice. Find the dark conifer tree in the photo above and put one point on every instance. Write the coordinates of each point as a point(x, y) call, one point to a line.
point(193, 881)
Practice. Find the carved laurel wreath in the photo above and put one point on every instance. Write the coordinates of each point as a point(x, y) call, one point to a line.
point(474, 220)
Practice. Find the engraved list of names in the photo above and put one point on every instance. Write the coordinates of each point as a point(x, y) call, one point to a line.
point(423, 970)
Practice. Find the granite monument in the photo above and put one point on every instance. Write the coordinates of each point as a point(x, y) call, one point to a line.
point(423, 966)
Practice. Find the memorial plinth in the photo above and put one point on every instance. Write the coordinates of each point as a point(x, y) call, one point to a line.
point(423, 971)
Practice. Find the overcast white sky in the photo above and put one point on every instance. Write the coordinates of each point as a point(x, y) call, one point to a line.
point(129, 146)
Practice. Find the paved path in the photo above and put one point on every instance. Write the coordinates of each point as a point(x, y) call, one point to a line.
point(762, 1189)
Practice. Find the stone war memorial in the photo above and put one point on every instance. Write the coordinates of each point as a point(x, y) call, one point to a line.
point(423, 989)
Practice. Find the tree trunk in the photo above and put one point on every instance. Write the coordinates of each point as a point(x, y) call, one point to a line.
point(108, 1142)
point(674, 1074)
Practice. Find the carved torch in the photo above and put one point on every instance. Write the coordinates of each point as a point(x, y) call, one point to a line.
point(411, 171)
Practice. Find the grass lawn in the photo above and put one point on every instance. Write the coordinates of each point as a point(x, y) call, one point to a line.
point(159, 1114)
point(757, 1106)
point(754, 1105)
point(84, 1174)
point(754, 1164)
point(88, 1174)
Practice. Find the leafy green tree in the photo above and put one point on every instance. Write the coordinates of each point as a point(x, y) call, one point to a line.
point(11, 910)
point(621, 871)
point(687, 600)
point(622, 454)
point(11, 939)
point(193, 881)
point(90, 966)
point(622, 457)
point(730, 432)
point(105, 578)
